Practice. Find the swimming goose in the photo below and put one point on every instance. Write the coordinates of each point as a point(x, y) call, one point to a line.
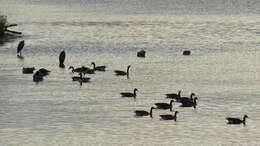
point(141, 53)
point(189, 103)
point(140, 113)
point(170, 117)
point(237, 120)
point(78, 70)
point(123, 73)
point(62, 58)
point(28, 70)
point(80, 78)
point(173, 95)
point(20, 47)
point(164, 105)
point(180, 99)
point(98, 68)
point(128, 94)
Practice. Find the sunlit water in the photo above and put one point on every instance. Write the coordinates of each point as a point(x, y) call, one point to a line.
point(223, 70)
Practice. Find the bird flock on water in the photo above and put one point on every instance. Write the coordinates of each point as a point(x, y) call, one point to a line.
point(184, 101)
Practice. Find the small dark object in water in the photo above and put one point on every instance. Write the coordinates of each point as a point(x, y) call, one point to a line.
point(20, 47)
point(186, 52)
point(140, 113)
point(28, 70)
point(43, 72)
point(37, 77)
point(128, 94)
point(237, 120)
point(141, 53)
point(170, 117)
point(62, 59)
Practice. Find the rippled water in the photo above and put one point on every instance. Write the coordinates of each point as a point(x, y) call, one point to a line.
point(223, 70)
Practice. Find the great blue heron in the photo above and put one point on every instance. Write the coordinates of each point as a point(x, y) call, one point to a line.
point(20, 47)
point(62, 58)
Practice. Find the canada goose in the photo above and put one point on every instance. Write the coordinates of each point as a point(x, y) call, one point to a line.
point(164, 105)
point(62, 58)
point(128, 94)
point(237, 120)
point(141, 53)
point(173, 95)
point(80, 78)
point(170, 117)
point(28, 70)
point(140, 113)
point(179, 99)
point(20, 47)
point(123, 73)
point(98, 68)
point(189, 103)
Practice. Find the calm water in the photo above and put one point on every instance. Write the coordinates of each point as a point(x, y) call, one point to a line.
point(223, 71)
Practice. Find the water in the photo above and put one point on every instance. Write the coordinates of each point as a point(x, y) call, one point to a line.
point(223, 71)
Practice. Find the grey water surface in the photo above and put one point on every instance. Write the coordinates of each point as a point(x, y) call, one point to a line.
point(223, 71)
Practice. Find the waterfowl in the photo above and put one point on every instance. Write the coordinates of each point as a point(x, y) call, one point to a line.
point(28, 70)
point(87, 70)
point(78, 70)
point(141, 53)
point(62, 58)
point(98, 68)
point(186, 52)
point(164, 105)
point(20, 47)
point(173, 95)
point(180, 99)
point(140, 113)
point(80, 78)
point(128, 94)
point(123, 73)
point(43, 72)
point(189, 103)
point(37, 77)
point(170, 117)
point(237, 120)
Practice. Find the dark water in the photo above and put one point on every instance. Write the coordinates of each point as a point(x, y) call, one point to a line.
point(223, 71)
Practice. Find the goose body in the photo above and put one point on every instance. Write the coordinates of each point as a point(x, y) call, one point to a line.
point(62, 59)
point(78, 70)
point(164, 105)
point(189, 103)
point(123, 73)
point(169, 117)
point(98, 68)
point(173, 95)
point(20, 47)
point(237, 120)
point(141, 113)
point(28, 70)
point(129, 94)
point(141, 53)
point(180, 99)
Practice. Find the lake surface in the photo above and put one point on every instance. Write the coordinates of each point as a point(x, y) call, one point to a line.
point(223, 71)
